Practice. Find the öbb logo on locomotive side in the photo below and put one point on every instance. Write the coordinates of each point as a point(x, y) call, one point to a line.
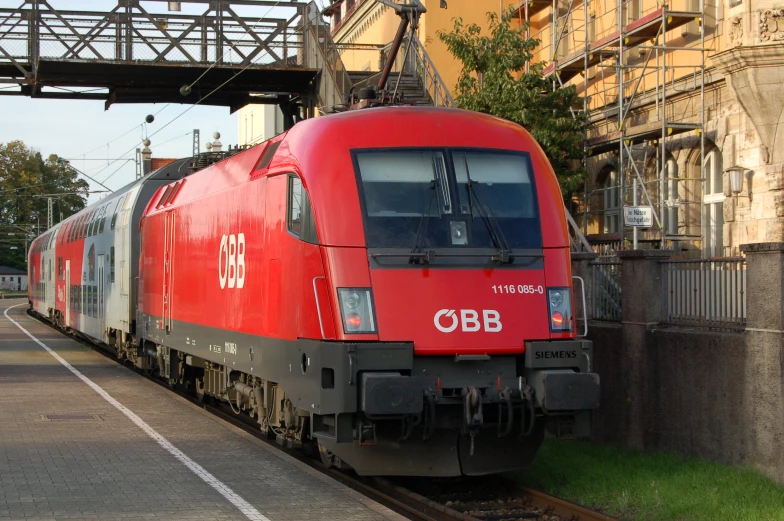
point(468, 320)
point(231, 261)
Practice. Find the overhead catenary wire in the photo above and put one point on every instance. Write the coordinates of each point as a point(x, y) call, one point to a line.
point(131, 159)
point(219, 58)
point(123, 134)
point(253, 62)
point(178, 116)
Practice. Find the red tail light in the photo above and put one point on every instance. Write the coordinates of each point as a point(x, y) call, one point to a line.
point(558, 320)
point(353, 320)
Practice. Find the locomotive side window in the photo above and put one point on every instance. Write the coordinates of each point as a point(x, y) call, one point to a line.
point(268, 154)
point(299, 214)
point(294, 220)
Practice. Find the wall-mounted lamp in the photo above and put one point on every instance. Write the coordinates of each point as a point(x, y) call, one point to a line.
point(443, 4)
point(736, 180)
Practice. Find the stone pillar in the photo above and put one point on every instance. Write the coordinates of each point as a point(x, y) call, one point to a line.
point(581, 267)
point(641, 283)
point(764, 385)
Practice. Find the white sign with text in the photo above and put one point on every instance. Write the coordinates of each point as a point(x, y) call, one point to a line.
point(638, 216)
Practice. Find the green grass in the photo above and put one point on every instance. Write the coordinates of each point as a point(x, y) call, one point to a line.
point(12, 294)
point(652, 486)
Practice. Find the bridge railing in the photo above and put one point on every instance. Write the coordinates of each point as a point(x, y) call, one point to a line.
point(238, 33)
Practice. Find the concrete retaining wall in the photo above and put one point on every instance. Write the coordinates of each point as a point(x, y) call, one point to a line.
point(698, 393)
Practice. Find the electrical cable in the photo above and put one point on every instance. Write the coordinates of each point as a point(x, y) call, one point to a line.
point(123, 134)
point(243, 37)
point(253, 62)
point(131, 159)
point(174, 138)
point(23, 187)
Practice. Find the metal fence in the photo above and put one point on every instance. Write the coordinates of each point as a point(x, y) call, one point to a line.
point(707, 293)
point(606, 283)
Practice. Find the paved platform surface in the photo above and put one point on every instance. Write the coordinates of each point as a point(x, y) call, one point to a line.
point(67, 452)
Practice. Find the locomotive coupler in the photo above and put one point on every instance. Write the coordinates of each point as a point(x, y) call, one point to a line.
point(527, 394)
point(472, 419)
point(505, 397)
point(430, 415)
point(367, 433)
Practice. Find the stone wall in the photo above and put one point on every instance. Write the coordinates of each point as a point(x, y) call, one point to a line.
point(698, 393)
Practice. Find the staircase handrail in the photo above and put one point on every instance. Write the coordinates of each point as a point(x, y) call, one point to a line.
point(576, 237)
point(332, 64)
point(424, 69)
point(433, 83)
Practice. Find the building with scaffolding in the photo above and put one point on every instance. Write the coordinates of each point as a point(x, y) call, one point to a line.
point(682, 96)
point(674, 115)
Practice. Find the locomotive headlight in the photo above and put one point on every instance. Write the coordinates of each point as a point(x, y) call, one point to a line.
point(356, 310)
point(559, 302)
point(353, 300)
point(556, 299)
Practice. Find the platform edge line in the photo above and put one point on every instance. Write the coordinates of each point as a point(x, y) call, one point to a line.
point(224, 490)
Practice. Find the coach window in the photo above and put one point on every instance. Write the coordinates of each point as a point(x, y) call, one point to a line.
point(111, 263)
point(299, 215)
point(114, 214)
point(59, 268)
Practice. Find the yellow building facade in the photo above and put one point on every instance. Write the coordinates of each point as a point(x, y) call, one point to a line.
point(683, 97)
point(371, 23)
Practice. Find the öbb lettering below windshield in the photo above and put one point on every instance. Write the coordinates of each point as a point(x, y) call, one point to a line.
point(446, 198)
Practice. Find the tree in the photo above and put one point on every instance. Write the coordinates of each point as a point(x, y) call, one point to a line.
point(494, 81)
point(26, 180)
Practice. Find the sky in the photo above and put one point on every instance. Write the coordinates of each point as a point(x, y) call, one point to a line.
point(102, 143)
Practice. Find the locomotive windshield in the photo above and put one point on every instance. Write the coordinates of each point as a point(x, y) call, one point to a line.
point(438, 198)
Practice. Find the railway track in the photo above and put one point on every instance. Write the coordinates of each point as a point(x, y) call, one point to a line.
point(455, 499)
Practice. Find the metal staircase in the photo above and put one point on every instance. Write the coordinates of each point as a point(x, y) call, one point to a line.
point(419, 83)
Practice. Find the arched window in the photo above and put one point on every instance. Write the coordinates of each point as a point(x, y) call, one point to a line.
point(612, 202)
point(713, 204)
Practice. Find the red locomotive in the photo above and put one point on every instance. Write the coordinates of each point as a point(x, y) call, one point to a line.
point(393, 284)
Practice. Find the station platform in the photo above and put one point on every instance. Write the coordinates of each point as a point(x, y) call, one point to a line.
point(82, 437)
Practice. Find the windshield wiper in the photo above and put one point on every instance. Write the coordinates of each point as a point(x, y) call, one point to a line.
point(488, 218)
point(423, 220)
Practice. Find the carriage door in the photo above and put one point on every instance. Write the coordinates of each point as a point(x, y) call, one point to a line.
point(68, 288)
point(168, 259)
point(101, 281)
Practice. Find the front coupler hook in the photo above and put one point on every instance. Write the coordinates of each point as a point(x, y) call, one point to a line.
point(527, 394)
point(472, 401)
point(429, 419)
point(506, 397)
point(473, 419)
